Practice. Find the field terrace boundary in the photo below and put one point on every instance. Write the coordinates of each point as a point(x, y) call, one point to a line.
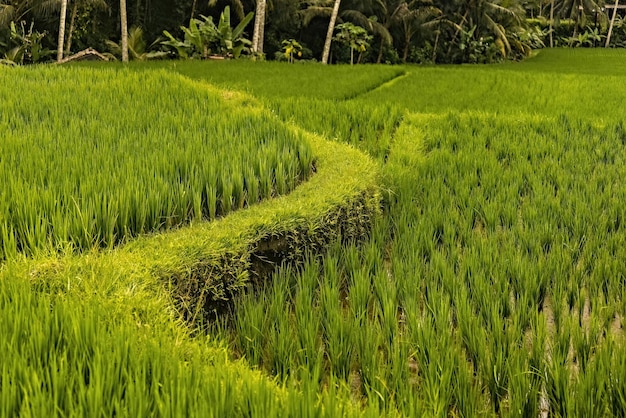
point(384, 83)
point(200, 268)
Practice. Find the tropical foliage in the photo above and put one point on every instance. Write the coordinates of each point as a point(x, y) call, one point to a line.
point(440, 31)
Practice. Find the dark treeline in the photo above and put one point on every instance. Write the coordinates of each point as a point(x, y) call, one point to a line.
point(383, 31)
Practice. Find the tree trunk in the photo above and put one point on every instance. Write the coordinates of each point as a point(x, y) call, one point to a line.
point(407, 44)
point(124, 22)
point(571, 41)
point(68, 44)
point(551, 23)
point(380, 52)
point(259, 27)
point(193, 9)
point(329, 34)
point(61, 30)
point(262, 25)
point(436, 44)
point(608, 36)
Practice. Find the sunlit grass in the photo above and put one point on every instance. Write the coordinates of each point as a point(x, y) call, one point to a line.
point(93, 158)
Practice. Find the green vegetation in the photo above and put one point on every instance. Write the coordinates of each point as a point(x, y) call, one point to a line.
point(271, 80)
point(113, 155)
point(492, 284)
point(501, 259)
point(100, 333)
point(381, 31)
point(77, 355)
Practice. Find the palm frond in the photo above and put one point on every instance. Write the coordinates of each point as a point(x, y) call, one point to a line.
point(515, 14)
point(237, 7)
point(7, 12)
point(370, 25)
point(46, 7)
point(499, 32)
point(312, 12)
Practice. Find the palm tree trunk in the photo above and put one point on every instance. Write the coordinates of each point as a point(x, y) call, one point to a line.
point(551, 23)
point(407, 44)
point(608, 36)
point(329, 34)
point(262, 25)
point(61, 30)
point(380, 52)
point(70, 34)
point(436, 43)
point(259, 27)
point(124, 23)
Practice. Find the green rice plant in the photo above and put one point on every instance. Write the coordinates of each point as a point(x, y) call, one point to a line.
point(308, 331)
point(475, 296)
point(493, 287)
point(73, 357)
point(91, 175)
point(277, 80)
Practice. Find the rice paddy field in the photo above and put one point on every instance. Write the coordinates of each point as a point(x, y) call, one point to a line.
point(492, 284)
point(100, 160)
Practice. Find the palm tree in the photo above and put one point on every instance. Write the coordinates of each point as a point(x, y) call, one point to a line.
point(608, 36)
point(76, 4)
point(124, 24)
point(16, 10)
point(388, 14)
point(357, 13)
point(61, 30)
point(576, 10)
point(551, 23)
point(412, 20)
point(497, 18)
point(138, 50)
point(329, 33)
point(374, 15)
point(259, 27)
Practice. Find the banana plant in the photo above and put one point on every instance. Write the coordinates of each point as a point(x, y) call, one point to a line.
point(198, 39)
point(232, 41)
point(203, 37)
point(28, 46)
